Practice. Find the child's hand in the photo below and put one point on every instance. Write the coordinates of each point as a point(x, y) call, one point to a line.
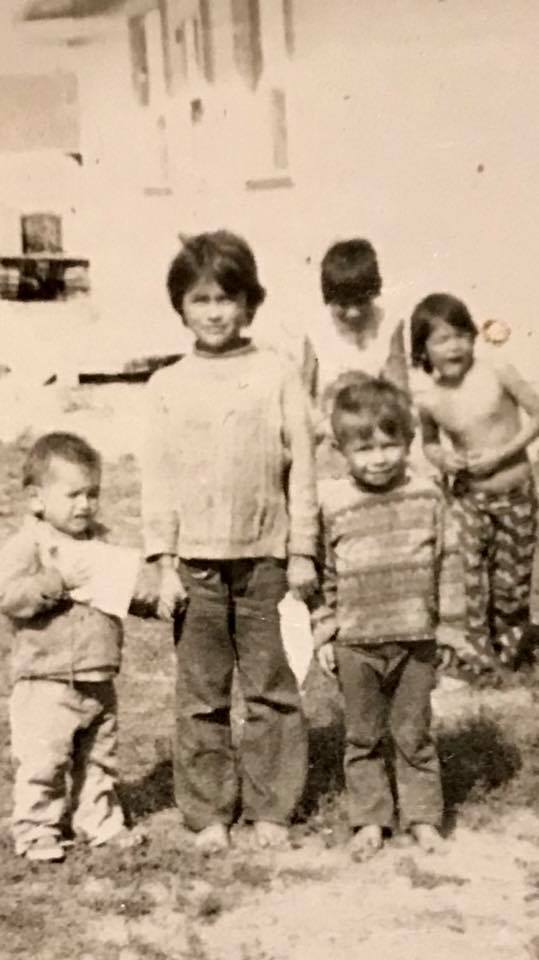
point(172, 594)
point(453, 461)
point(326, 658)
point(484, 462)
point(52, 588)
point(76, 573)
point(301, 575)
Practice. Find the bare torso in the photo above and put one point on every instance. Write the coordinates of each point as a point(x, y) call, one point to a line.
point(479, 414)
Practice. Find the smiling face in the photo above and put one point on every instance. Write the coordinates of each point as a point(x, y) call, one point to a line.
point(68, 497)
point(449, 351)
point(375, 459)
point(215, 317)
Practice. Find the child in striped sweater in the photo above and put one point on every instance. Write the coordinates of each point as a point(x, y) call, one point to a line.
point(375, 626)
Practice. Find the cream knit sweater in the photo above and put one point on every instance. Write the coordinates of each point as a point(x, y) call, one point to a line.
point(228, 466)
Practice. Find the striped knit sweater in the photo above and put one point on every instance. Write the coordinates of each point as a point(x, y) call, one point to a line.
point(382, 550)
point(229, 461)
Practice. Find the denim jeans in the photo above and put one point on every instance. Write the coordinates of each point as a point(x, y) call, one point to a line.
point(387, 691)
point(232, 620)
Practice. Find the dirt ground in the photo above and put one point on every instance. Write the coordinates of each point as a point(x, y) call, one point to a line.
point(479, 898)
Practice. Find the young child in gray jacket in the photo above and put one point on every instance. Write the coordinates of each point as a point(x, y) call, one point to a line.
point(66, 652)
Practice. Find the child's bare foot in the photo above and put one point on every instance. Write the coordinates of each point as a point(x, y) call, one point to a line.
point(366, 842)
point(123, 839)
point(45, 850)
point(212, 839)
point(270, 835)
point(427, 837)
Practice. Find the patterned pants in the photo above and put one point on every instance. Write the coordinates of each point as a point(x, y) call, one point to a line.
point(497, 543)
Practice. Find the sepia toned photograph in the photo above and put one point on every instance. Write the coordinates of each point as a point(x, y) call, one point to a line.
point(269, 455)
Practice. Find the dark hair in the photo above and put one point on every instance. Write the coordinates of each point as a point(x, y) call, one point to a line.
point(64, 446)
point(221, 256)
point(432, 309)
point(349, 272)
point(367, 403)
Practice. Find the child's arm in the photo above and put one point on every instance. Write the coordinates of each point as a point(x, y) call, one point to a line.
point(439, 547)
point(172, 593)
point(301, 487)
point(324, 613)
point(309, 377)
point(488, 460)
point(159, 511)
point(447, 461)
point(395, 368)
point(26, 587)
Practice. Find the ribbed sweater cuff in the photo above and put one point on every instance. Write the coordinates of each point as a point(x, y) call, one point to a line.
point(303, 546)
point(156, 546)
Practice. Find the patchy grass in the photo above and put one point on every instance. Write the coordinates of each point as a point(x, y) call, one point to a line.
point(490, 763)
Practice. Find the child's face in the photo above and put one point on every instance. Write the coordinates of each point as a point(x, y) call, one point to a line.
point(353, 315)
point(450, 351)
point(68, 497)
point(378, 461)
point(215, 317)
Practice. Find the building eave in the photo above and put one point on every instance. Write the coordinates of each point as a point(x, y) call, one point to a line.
point(30, 10)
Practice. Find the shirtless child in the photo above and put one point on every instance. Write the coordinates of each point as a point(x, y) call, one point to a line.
point(477, 408)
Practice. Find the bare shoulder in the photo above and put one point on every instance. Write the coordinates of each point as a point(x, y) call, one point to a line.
point(488, 379)
point(519, 388)
point(508, 374)
point(483, 369)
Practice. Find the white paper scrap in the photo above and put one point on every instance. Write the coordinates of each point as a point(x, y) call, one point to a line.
point(297, 636)
point(113, 574)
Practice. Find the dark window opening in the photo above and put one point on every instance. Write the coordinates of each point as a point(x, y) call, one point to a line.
point(208, 60)
point(279, 130)
point(41, 233)
point(247, 40)
point(38, 278)
point(197, 110)
point(179, 57)
point(165, 43)
point(140, 74)
point(289, 33)
point(42, 271)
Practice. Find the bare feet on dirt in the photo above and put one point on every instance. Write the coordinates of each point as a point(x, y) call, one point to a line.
point(366, 842)
point(124, 839)
point(270, 835)
point(427, 837)
point(213, 839)
point(46, 850)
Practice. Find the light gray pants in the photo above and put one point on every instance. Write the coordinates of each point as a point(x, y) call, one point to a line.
point(58, 728)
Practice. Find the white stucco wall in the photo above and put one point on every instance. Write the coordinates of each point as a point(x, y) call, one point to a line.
point(411, 122)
